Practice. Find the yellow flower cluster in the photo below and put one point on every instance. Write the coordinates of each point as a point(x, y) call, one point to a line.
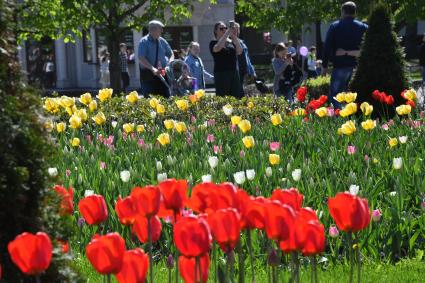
point(410, 94)
point(368, 125)
point(164, 139)
point(349, 109)
point(244, 126)
point(274, 159)
point(182, 104)
point(276, 119)
point(99, 118)
point(235, 120)
point(321, 112)
point(347, 128)
point(403, 109)
point(366, 108)
point(346, 97)
point(248, 141)
point(105, 94)
point(132, 97)
point(180, 127)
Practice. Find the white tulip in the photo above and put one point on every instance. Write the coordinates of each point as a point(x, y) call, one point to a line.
point(88, 193)
point(170, 160)
point(153, 114)
point(159, 166)
point(393, 194)
point(354, 190)
point(269, 171)
point(239, 177)
point(397, 163)
point(296, 175)
point(114, 124)
point(161, 177)
point(213, 161)
point(250, 174)
point(125, 176)
point(206, 179)
point(53, 171)
point(228, 109)
point(402, 139)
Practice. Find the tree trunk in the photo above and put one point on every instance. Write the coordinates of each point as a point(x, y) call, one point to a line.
point(319, 42)
point(114, 65)
point(411, 42)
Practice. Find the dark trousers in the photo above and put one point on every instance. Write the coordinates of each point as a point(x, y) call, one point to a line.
point(339, 83)
point(154, 87)
point(125, 80)
point(227, 83)
point(241, 81)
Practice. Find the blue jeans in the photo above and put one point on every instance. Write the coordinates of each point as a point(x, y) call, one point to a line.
point(339, 83)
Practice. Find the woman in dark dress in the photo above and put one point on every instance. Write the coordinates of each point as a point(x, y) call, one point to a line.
point(225, 49)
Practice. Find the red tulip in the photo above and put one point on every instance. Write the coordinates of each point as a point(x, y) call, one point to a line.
point(140, 228)
point(411, 103)
point(192, 236)
point(377, 95)
point(67, 203)
point(252, 210)
point(350, 212)
point(225, 227)
point(279, 219)
point(106, 253)
point(292, 243)
point(187, 268)
point(302, 93)
point(290, 197)
point(203, 197)
point(226, 196)
point(134, 267)
point(174, 194)
point(125, 210)
point(389, 100)
point(31, 253)
point(93, 209)
point(64, 245)
point(310, 236)
point(146, 200)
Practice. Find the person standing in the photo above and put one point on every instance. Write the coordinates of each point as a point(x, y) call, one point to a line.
point(311, 63)
point(224, 49)
point(154, 55)
point(422, 59)
point(342, 47)
point(104, 69)
point(124, 66)
point(244, 62)
point(282, 64)
point(195, 64)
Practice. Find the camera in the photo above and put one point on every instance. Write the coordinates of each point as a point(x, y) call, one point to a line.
point(231, 24)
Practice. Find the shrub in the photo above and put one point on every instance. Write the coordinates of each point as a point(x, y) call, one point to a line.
point(318, 86)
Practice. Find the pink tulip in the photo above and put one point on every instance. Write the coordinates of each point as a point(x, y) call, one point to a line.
point(423, 204)
point(351, 149)
point(210, 138)
point(366, 158)
point(333, 231)
point(68, 172)
point(102, 165)
point(274, 146)
point(330, 112)
point(242, 154)
point(376, 215)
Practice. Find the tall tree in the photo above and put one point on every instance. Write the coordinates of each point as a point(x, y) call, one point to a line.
point(68, 18)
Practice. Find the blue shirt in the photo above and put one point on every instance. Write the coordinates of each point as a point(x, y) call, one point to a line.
point(147, 49)
point(197, 70)
point(249, 67)
point(347, 34)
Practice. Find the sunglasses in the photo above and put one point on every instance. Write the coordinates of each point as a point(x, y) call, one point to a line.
point(223, 28)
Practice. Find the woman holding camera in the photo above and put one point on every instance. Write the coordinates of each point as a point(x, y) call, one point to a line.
point(225, 48)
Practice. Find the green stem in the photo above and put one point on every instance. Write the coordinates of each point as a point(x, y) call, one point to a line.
point(176, 255)
point(169, 275)
point(296, 267)
point(251, 257)
point(241, 263)
point(350, 249)
point(108, 278)
point(314, 277)
point(214, 255)
point(359, 264)
point(274, 279)
point(150, 250)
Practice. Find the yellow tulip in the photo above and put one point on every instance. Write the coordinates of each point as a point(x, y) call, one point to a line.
point(100, 118)
point(48, 125)
point(340, 97)
point(368, 125)
point(51, 105)
point(321, 112)
point(350, 97)
point(69, 111)
point(348, 128)
point(75, 122)
point(245, 126)
point(163, 139)
point(82, 113)
point(66, 101)
point(366, 108)
point(236, 120)
point(250, 105)
point(153, 102)
point(200, 93)
point(105, 94)
point(274, 159)
point(276, 119)
point(299, 112)
point(85, 98)
point(393, 142)
point(182, 104)
point(60, 127)
point(128, 128)
point(344, 113)
point(227, 109)
point(93, 106)
point(410, 94)
point(140, 128)
point(180, 127)
point(169, 124)
point(132, 97)
point(160, 109)
point(248, 141)
point(403, 109)
point(75, 142)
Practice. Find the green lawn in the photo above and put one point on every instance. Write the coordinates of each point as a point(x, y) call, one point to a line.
point(404, 271)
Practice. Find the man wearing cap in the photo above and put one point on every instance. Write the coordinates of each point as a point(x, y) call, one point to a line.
point(154, 55)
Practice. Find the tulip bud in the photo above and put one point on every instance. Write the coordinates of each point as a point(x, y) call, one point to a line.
point(170, 262)
point(114, 124)
point(213, 161)
point(250, 174)
point(296, 175)
point(333, 231)
point(159, 166)
point(125, 176)
point(376, 215)
point(269, 171)
point(239, 177)
point(53, 172)
point(397, 163)
point(354, 190)
point(170, 160)
point(161, 177)
point(81, 222)
point(207, 179)
point(273, 259)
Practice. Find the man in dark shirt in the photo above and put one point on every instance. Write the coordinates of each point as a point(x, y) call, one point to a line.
point(342, 47)
point(422, 59)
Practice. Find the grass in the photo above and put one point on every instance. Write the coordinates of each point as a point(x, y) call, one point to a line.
point(411, 271)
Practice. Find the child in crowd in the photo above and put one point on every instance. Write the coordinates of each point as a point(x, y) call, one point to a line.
point(312, 63)
point(196, 67)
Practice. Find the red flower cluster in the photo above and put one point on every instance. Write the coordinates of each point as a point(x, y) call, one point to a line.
point(317, 103)
point(302, 93)
point(383, 97)
point(67, 199)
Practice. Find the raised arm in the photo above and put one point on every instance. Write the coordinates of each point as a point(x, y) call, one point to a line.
point(221, 42)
